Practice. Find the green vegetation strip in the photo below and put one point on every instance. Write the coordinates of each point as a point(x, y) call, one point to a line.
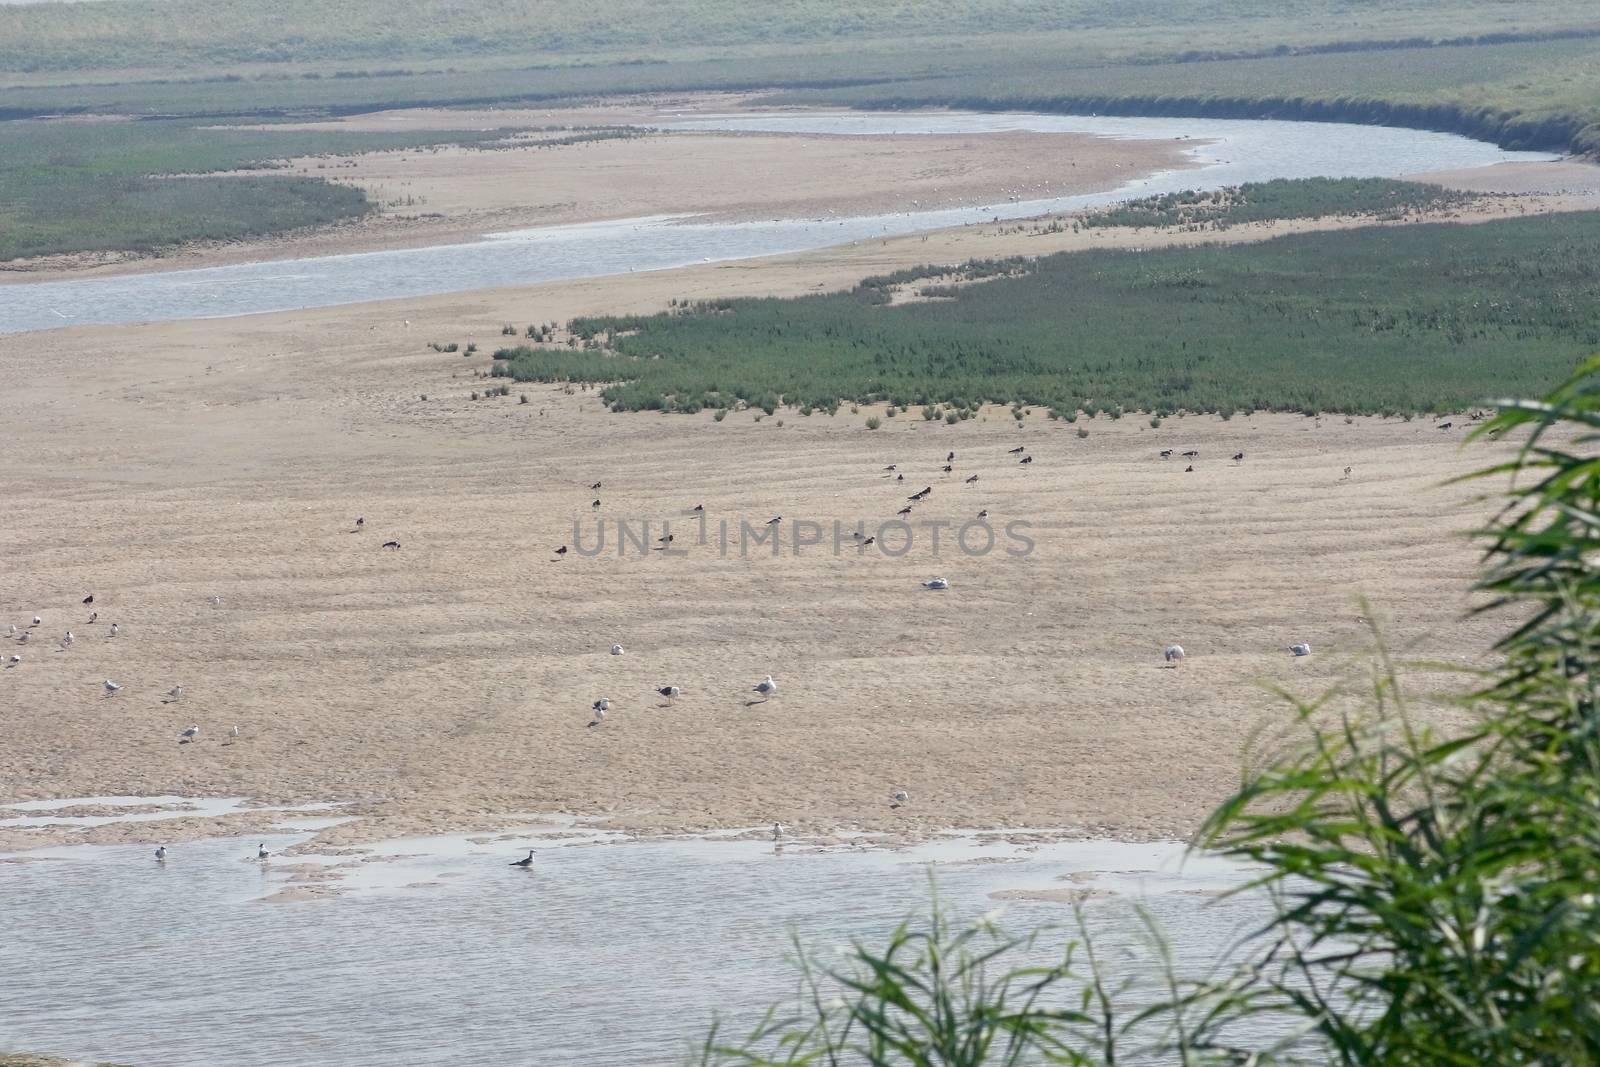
point(1307, 198)
point(1421, 317)
point(97, 186)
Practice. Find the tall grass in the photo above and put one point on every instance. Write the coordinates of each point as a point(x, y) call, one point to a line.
point(1420, 318)
point(1434, 891)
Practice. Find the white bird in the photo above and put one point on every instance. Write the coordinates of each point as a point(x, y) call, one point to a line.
point(1300, 649)
point(175, 693)
point(112, 688)
point(93, 615)
point(67, 639)
point(161, 852)
point(261, 851)
point(37, 620)
point(599, 715)
point(899, 797)
point(777, 831)
point(114, 630)
point(766, 687)
point(936, 583)
point(191, 734)
point(23, 639)
point(671, 692)
point(235, 733)
point(216, 602)
point(14, 660)
point(616, 650)
point(1174, 654)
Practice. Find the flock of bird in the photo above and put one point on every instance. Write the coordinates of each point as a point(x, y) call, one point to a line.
point(109, 687)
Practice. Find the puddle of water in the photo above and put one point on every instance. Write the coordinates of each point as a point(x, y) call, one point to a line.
point(1238, 151)
point(442, 953)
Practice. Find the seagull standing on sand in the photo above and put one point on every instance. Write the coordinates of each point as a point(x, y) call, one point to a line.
point(528, 862)
point(89, 599)
point(23, 639)
point(115, 629)
point(671, 692)
point(191, 734)
point(93, 615)
point(111, 688)
point(766, 687)
point(175, 693)
point(616, 650)
point(37, 621)
point(936, 583)
point(13, 661)
point(1173, 654)
point(1300, 649)
point(67, 639)
point(600, 706)
point(899, 797)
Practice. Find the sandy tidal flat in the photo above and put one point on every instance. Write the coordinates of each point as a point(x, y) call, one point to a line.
point(448, 682)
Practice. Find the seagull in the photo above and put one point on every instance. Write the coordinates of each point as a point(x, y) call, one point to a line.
point(1191, 453)
point(1025, 459)
point(360, 521)
point(599, 712)
point(775, 520)
point(616, 650)
point(1018, 450)
point(161, 853)
point(1166, 453)
point(595, 503)
point(93, 615)
point(13, 661)
point(216, 602)
point(1173, 654)
point(936, 583)
point(892, 467)
point(899, 797)
point(1189, 469)
point(596, 485)
point(67, 639)
point(89, 599)
point(777, 831)
point(191, 734)
point(905, 510)
point(234, 736)
point(984, 514)
point(392, 544)
point(1300, 649)
point(528, 862)
point(175, 693)
point(115, 629)
point(37, 620)
point(111, 688)
point(261, 851)
point(951, 458)
point(667, 540)
point(698, 507)
point(1238, 457)
point(23, 639)
point(972, 479)
point(671, 692)
point(766, 687)
point(868, 541)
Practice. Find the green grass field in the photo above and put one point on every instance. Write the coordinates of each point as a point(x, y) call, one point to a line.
point(1434, 317)
point(72, 187)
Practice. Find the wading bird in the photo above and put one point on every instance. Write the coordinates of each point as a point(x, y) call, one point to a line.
point(525, 862)
point(161, 853)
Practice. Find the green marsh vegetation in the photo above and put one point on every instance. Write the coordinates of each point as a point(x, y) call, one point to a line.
point(1425, 317)
point(1429, 892)
point(96, 186)
point(1305, 198)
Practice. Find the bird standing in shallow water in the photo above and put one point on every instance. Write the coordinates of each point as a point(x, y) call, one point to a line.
point(528, 862)
point(161, 853)
point(261, 851)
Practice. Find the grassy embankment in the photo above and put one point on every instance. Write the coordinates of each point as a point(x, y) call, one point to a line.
point(1519, 74)
point(1428, 317)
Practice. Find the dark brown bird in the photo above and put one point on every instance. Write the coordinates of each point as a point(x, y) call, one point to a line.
point(972, 479)
point(947, 468)
point(951, 458)
point(868, 541)
point(1025, 459)
point(361, 520)
point(596, 485)
point(1238, 457)
point(596, 503)
point(89, 599)
point(900, 477)
point(892, 466)
point(1018, 449)
point(698, 507)
point(391, 544)
point(1189, 469)
point(905, 510)
point(562, 551)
